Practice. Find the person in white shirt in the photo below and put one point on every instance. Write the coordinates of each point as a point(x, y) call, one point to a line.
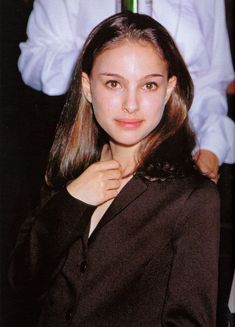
point(57, 30)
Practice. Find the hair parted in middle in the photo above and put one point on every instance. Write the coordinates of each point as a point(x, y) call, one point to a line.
point(166, 152)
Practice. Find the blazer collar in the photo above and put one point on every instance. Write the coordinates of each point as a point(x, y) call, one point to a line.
point(132, 190)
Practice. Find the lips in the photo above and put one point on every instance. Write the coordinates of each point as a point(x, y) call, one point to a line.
point(129, 123)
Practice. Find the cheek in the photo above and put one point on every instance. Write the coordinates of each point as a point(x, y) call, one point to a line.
point(154, 106)
point(105, 104)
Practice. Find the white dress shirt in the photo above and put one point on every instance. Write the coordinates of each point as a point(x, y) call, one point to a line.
point(231, 302)
point(57, 30)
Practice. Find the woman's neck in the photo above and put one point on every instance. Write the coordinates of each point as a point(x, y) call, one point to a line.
point(125, 156)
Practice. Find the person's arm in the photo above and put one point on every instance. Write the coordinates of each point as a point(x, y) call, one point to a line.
point(192, 289)
point(44, 241)
point(215, 131)
point(48, 56)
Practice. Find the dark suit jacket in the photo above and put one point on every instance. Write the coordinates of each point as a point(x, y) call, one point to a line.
point(151, 261)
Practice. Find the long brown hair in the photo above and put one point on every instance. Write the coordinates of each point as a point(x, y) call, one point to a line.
point(79, 139)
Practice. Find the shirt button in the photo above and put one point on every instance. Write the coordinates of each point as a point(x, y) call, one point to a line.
point(68, 315)
point(83, 267)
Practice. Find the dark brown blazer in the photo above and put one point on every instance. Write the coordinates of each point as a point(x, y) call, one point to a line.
point(151, 261)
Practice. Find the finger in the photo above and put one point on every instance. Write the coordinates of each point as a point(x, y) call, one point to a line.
point(214, 177)
point(209, 173)
point(109, 164)
point(214, 180)
point(110, 194)
point(112, 184)
point(205, 169)
point(112, 174)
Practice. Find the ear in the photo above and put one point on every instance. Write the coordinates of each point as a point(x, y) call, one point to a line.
point(171, 84)
point(86, 87)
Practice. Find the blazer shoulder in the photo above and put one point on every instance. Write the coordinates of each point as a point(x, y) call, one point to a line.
point(189, 184)
point(202, 183)
point(199, 188)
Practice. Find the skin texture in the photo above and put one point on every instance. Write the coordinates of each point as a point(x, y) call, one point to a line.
point(128, 100)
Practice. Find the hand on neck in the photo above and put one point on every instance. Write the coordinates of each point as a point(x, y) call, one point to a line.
point(124, 155)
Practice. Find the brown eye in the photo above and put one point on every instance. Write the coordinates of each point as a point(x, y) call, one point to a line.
point(150, 86)
point(112, 84)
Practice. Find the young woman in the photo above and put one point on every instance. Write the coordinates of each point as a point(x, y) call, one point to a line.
point(129, 233)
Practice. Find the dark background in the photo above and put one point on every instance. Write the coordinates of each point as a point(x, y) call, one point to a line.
point(27, 123)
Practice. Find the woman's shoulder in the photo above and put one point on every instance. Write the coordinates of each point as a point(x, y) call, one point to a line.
point(202, 190)
point(199, 197)
point(198, 183)
point(193, 185)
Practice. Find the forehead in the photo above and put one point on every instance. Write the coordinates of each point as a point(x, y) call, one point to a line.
point(128, 53)
point(132, 42)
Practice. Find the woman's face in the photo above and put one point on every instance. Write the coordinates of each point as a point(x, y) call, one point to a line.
point(128, 89)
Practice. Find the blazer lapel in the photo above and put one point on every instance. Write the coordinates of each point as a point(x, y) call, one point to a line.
point(132, 190)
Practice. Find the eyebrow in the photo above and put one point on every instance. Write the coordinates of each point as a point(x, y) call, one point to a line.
point(119, 76)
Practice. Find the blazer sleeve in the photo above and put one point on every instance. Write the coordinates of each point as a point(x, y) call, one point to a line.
point(44, 240)
point(192, 288)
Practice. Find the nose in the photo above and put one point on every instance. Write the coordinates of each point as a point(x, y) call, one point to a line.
point(130, 102)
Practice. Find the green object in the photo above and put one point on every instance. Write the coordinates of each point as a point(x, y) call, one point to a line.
point(130, 5)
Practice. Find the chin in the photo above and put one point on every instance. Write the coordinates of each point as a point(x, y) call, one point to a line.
point(126, 142)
